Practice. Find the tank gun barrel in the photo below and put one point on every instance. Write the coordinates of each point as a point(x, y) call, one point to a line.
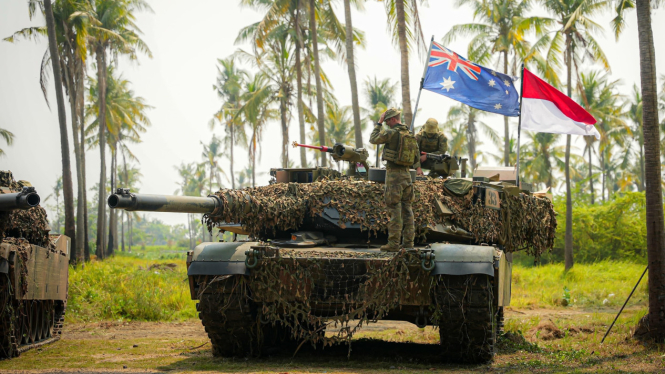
point(124, 199)
point(23, 200)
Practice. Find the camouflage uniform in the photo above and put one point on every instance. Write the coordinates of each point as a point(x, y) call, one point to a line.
point(399, 192)
point(431, 140)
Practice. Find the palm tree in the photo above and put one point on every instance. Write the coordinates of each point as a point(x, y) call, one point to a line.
point(404, 25)
point(71, 19)
point(9, 139)
point(257, 111)
point(502, 28)
point(125, 120)
point(211, 153)
point(469, 116)
point(57, 193)
point(317, 77)
point(47, 10)
point(542, 157)
point(652, 164)
point(350, 63)
point(599, 98)
point(380, 95)
point(117, 32)
point(229, 84)
point(186, 173)
point(574, 40)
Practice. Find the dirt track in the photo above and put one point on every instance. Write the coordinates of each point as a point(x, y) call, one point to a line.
point(124, 347)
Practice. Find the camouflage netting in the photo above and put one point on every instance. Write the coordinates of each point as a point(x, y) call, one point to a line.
point(525, 222)
point(31, 225)
point(323, 295)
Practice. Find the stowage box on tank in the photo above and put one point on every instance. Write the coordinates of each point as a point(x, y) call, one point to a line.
point(33, 271)
point(312, 259)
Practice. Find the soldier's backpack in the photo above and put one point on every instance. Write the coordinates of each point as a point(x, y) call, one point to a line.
point(407, 149)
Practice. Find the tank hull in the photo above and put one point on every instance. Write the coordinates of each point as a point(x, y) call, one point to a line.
point(249, 293)
point(33, 293)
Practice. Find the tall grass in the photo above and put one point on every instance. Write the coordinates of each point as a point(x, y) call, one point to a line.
point(605, 283)
point(122, 288)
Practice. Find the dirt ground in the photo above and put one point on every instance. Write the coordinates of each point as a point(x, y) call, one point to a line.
point(539, 340)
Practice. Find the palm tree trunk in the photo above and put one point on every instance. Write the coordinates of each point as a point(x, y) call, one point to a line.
point(81, 108)
point(210, 192)
point(254, 167)
point(317, 76)
point(351, 65)
point(233, 176)
point(101, 117)
point(568, 253)
point(112, 237)
point(506, 130)
point(80, 207)
point(285, 132)
point(641, 186)
point(591, 176)
point(129, 237)
point(404, 60)
point(652, 172)
point(470, 134)
point(301, 110)
point(122, 229)
point(602, 171)
point(70, 226)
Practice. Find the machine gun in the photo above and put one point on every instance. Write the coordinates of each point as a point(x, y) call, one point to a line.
point(341, 152)
point(445, 165)
point(23, 200)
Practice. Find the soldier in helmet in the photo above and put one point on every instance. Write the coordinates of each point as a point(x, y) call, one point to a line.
point(400, 153)
point(431, 140)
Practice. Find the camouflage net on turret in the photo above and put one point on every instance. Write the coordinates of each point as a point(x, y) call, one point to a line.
point(525, 222)
point(31, 225)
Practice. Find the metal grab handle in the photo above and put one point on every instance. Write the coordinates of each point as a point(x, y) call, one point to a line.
point(251, 254)
point(429, 256)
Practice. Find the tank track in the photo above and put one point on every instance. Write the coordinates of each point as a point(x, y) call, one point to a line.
point(27, 324)
point(467, 317)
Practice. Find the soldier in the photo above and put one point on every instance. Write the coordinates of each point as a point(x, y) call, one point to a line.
point(399, 188)
point(431, 140)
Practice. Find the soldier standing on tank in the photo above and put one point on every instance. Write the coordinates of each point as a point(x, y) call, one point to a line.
point(431, 140)
point(399, 188)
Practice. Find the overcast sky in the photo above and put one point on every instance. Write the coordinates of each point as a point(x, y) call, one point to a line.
point(186, 39)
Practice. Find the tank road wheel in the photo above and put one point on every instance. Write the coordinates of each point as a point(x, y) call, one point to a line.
point(467, 325)
point(227, 318)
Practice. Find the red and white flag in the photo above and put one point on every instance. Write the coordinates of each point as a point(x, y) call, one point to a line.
point(546, 109)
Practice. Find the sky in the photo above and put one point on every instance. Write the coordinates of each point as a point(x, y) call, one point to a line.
point(186, 39)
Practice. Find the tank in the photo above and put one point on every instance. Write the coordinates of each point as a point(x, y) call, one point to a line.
point(33, 271)
point(312, 262)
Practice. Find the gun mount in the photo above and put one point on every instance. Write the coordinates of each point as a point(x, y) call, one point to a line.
point(342, 152)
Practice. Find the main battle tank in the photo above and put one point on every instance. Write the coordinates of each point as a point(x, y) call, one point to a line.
point(312, 261)
point(33, 271)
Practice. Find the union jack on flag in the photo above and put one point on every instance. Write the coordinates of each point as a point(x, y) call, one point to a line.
point(452, 75)
point(440, 55)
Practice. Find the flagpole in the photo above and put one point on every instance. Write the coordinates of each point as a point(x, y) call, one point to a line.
point(422, 80)
point(519, 129)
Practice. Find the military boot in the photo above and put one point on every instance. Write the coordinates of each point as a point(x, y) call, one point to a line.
point(409, 245)
point(389, 248)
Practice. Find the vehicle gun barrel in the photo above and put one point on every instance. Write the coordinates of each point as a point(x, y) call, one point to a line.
point(435, 157)
point(23, 200)
point(124, 199)
point(322, 148)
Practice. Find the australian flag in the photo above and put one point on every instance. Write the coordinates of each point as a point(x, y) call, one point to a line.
point(452, 75)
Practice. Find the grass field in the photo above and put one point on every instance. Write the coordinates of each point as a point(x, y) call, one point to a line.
point(110, 299)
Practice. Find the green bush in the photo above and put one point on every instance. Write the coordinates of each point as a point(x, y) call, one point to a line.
point(126, 288)
point(611, 230)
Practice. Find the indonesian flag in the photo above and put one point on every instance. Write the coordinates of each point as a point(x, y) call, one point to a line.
point(546, 109)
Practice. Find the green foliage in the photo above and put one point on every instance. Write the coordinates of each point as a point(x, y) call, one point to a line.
point(613, 230)
point(126, 288)
point(605, 283)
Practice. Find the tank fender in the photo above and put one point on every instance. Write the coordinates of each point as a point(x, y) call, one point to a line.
point(461, 259)
point(221, 258)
